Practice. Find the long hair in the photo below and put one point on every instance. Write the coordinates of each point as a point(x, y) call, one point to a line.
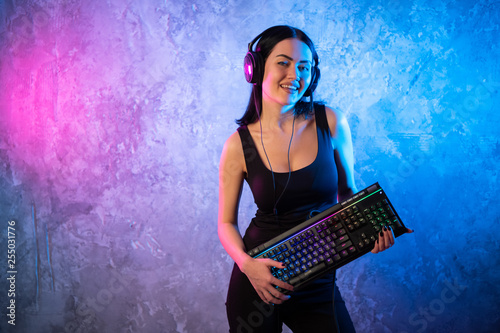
point(268, 40)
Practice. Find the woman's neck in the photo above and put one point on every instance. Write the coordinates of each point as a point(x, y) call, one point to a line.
point(276, 116)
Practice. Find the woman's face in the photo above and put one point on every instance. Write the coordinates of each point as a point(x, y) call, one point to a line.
point(287, 72)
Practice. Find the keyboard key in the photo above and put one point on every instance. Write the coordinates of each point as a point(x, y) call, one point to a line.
point(340, 232)
point(336, 227)
point(343, 246)
point(341, 240)
point(308, 273)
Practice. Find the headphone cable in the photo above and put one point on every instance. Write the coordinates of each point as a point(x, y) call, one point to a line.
point(289, 168)
point(275, 211)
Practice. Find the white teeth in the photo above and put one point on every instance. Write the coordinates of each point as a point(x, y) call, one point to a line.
point(288, 86)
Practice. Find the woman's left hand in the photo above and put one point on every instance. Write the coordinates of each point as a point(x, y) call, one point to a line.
point(385, 240)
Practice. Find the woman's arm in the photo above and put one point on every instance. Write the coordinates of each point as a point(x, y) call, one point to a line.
point(343, 152)
point(231, 176)
point(344, 159)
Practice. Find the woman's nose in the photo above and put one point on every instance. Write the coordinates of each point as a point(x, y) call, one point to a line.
point(294, 73)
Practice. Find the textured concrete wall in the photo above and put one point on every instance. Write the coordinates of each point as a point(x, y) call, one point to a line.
point(113, 115)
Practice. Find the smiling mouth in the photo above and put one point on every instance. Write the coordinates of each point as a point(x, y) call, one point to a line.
point(289, 87)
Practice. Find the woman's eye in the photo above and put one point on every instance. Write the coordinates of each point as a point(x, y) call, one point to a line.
point(304, 68)
point(283, 63)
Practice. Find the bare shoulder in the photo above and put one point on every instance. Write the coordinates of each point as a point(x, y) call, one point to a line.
point(232, 153)
point(336, 121)
point(233, 146)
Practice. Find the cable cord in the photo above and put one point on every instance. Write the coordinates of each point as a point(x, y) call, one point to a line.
point(275, 210)
point(289, 168)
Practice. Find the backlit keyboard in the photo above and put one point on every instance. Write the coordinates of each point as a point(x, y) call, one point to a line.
point(332, 238)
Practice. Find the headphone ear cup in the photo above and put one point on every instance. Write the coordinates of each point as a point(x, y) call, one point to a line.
point(253, 67)
point(314, 82)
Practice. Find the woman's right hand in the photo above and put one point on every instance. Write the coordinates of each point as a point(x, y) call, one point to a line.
point(258, 272)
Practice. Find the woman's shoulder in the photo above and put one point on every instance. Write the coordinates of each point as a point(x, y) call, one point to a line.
point(333, 113)
point(336, 119)
point(233, 147)
point(233, 143)
point(232, 156)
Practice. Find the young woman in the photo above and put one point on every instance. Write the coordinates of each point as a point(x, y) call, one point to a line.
point(297, 158)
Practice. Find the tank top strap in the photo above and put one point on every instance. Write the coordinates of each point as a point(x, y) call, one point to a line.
point(321, 120)
point(252, 157)
point(244, 136)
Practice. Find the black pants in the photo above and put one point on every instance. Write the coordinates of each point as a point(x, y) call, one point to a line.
point(308, 310)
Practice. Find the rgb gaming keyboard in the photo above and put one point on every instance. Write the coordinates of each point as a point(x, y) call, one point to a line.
point(332, 238)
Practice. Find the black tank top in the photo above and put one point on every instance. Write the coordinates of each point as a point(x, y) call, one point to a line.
point(313, 187)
